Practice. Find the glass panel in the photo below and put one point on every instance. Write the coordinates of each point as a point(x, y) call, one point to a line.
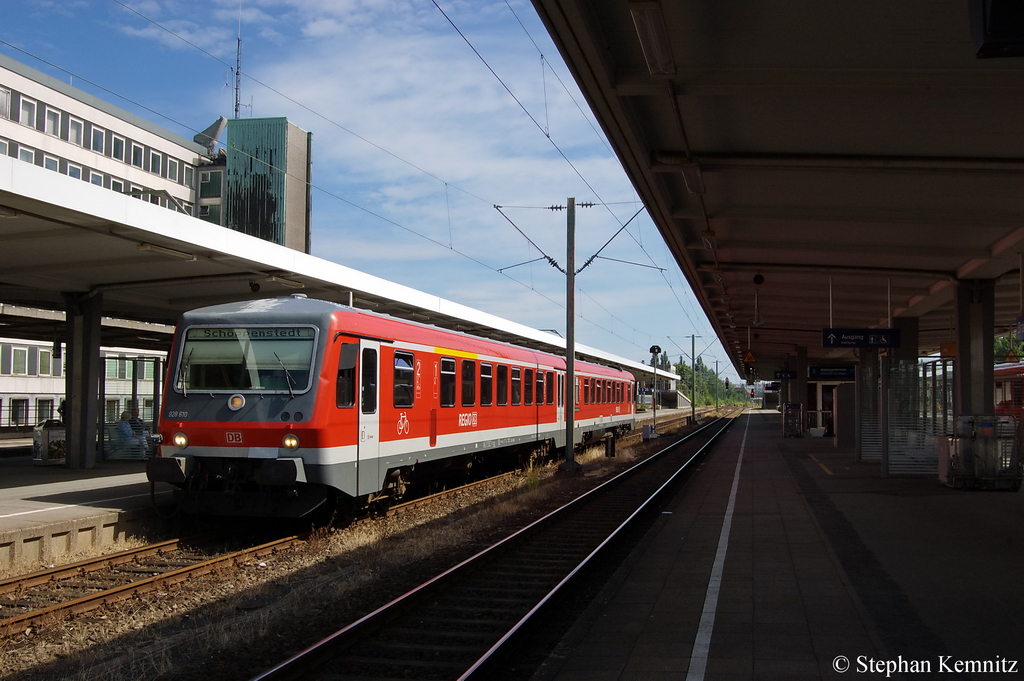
point(369, 375)
point(404, 379)
point(447, 382)
point(268, 359)
point(468, 383)
point(346, 389)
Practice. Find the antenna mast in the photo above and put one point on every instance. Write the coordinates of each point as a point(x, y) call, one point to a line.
point(238, 64)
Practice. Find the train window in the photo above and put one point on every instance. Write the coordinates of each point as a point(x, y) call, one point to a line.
point(1018, 393)
point(540, 387)
point(368, 399)
point(468, 383)
point(561, 390)
point(447, 382)
point(270, 359)
point(346, 389)
point(516, 386)
point(405, 376)
point(486, 384)
point(502, 385)
point(528, 386)
point(550, 378)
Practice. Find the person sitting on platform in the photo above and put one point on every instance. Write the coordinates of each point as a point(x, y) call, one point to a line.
point(131, 442)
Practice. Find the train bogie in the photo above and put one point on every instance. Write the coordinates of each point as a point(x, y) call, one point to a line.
point(273, 407)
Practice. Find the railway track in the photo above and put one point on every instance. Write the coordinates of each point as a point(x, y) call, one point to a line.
point(461, 624)
point(72, 589)
point(76, 588)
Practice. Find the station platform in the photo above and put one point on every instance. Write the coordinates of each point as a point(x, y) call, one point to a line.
point(50, 513)
point(814, 567)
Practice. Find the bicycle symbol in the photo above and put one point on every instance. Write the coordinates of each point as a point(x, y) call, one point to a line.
point(403, 424)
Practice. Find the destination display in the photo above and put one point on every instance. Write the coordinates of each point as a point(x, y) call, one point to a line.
point(860, 338)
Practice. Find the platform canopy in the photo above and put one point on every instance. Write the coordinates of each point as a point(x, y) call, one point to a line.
point(815, 165)
point(59, 235)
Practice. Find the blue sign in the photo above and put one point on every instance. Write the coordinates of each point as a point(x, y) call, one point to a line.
point(860, 338)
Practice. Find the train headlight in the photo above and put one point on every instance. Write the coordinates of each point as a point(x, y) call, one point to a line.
point(180, 440)
point(236, 402)
point(290, 442)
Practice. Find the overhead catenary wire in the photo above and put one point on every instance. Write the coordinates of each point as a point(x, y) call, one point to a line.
point(370, 212)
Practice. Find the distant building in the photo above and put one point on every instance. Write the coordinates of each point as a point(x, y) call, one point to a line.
point(259, 186)
point(32, 382)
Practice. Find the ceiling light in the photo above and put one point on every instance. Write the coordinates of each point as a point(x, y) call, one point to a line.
point(166, 251)
point(286, 282)
point(650, 29)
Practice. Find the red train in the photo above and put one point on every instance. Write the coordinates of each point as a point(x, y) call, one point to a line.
point(1009, 386)
point(277, 407)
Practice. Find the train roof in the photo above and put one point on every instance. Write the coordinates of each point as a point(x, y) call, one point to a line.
point(297, 308)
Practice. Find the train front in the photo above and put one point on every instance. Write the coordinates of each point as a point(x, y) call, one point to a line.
point(239, 408)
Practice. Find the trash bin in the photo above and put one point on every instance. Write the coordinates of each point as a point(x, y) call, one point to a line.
point(49, 439)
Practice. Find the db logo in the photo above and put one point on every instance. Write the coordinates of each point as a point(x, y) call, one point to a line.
point(233, 438)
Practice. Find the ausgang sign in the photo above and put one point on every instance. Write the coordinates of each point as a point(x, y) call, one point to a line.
point(860, 338)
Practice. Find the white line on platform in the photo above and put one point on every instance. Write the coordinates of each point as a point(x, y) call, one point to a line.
point(702, 643)
point(91, 503)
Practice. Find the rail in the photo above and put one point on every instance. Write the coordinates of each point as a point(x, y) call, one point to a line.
point(457, 623)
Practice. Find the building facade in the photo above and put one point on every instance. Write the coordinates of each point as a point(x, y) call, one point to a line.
point(259, 186)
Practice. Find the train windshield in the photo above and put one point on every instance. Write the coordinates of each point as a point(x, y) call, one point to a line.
point(277, 359)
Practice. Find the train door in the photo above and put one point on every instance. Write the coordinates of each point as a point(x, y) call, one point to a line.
point(560, 401)
point(368, 451)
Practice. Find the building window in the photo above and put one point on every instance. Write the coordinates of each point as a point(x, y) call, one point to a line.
point(172, 169)
point(154, 162)
point(44, 410)
point(19, 412)
point(4, 149)
point(50, 163)
point(5, 103)
point(209, 184)
point(75, 131)
point(45, 362)
point(74, 171)
point(19, 362)
point(99, 136)
point(137, 192)
point(189, 209)
point(137, 155)
point(190, 176)
point(28, 112)
point(52, 122)
point(27, 155)
point(117, 186)
point(117, 147)
point(96, 179)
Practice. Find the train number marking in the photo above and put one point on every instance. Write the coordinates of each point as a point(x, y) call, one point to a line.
point(467, 419)
point(177, 414)
point(233, 437)
point(403, 424)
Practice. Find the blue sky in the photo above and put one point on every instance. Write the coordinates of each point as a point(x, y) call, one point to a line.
point(415, 141)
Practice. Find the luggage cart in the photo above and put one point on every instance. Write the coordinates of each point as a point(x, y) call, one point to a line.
point(792, 419)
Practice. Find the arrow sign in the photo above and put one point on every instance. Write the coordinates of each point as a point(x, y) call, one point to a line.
point(860, 338)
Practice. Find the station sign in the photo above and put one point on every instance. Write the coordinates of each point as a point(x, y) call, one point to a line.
point(860, 338)
point(833, 372)
point(785, 375)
